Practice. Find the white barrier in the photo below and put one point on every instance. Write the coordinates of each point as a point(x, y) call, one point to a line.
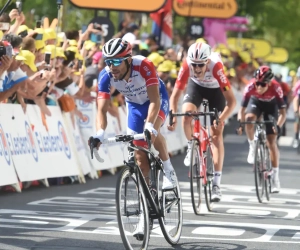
point(34, 148)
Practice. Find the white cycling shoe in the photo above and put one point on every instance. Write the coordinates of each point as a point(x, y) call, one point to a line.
point(187, 159)
point(138, 233)
point(169, 179)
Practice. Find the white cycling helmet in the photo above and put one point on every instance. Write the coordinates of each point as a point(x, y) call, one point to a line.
point(117, 48)
point(199, 52)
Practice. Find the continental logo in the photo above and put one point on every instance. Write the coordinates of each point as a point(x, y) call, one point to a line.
point(206, 8)
point(201, 5)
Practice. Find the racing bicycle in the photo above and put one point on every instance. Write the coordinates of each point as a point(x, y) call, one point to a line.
point(262, 162)
point(139, 198)
point(201, 165)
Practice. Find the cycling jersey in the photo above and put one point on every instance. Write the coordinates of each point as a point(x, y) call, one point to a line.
point(274, 94)
point(296, 89)
point(214, 76)
point(143, 75)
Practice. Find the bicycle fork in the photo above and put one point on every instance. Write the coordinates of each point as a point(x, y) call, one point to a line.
point(201, 135)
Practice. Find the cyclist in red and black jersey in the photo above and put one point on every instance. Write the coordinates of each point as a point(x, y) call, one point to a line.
point(264, 95)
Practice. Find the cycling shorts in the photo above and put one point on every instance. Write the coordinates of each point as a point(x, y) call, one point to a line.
point(258, 107)
point(195, 95)
point(137, 114)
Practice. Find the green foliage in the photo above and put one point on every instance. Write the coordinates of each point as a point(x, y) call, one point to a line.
point(275, 21)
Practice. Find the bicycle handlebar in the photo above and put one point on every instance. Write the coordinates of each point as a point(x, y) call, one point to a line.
point(270, 121)
point(194, 114)
point(93, 142)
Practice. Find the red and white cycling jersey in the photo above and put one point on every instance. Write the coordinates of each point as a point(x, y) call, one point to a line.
point(296, 89)
point(274, 94)
point(143, 75)
point(214, 76)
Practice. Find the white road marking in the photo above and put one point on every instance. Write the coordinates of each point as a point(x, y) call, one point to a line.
point(221, 231)
point(285, 141)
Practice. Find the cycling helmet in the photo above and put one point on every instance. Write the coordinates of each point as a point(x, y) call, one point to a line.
point(199, 52)
point(117, 48)
point(263, 74)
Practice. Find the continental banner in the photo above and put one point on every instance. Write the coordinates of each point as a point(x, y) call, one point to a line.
point(205, 8)
point(259, 48)
point(122, 5)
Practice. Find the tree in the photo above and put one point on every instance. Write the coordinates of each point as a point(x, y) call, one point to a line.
point(275, 21)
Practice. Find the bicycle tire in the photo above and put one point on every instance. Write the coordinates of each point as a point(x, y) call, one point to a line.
point(123, 191)
point(268, 177)
point(195, 178)
point(259, 175)
point(171, 233)
point(209, 163)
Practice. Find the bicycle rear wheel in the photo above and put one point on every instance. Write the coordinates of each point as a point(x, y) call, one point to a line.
point(195, 178)
point(259, 171)
point(131, 208)
point(208, 161)
point(170, 206)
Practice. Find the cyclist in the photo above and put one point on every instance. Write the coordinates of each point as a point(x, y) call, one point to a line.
point(264, 95)
point(147, 102)
point(296, 108)
point(203, 72)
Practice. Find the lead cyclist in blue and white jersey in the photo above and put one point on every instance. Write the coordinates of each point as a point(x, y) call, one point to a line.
point(146, 97)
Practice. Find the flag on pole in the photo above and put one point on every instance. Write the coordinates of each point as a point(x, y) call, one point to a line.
point(162, 24)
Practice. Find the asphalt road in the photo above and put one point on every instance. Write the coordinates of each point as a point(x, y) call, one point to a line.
point(82, 216)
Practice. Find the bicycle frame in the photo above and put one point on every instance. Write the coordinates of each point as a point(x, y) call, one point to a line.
point(155, 165)
point(201, 135)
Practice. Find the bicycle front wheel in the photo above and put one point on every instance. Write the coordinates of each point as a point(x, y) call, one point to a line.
point(195, 177)
point(209, 163)
point(171, 215)
point(132, 211)
point(259, 171)
point(267, 175)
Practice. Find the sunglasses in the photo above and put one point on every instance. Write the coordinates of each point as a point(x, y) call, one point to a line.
point(200, 65)
point(263, 84)
point(116, 61)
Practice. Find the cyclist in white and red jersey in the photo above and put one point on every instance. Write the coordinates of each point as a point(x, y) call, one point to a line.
point(204, 75)
point(264, 95)
point(296, 107)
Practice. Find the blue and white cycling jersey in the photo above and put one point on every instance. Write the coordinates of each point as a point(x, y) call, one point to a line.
point(143, 75)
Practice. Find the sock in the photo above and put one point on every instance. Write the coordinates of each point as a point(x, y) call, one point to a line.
point(168, 165)
point(217, 178)
point(296, 136)
point(275, 173)
point(189, 143)
point(251, 142)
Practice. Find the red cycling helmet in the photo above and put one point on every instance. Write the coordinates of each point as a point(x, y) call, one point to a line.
point(263, 74)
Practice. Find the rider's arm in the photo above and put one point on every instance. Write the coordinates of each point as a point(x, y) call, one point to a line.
point(219, 74)
point(148, 72)
point(101, 121)
point(245, 101)
point(281, 105)
point(282, 117)
point(179, 87)
point(241, 114)
point(103, 102)
point(296, 104)
point(154, 107)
